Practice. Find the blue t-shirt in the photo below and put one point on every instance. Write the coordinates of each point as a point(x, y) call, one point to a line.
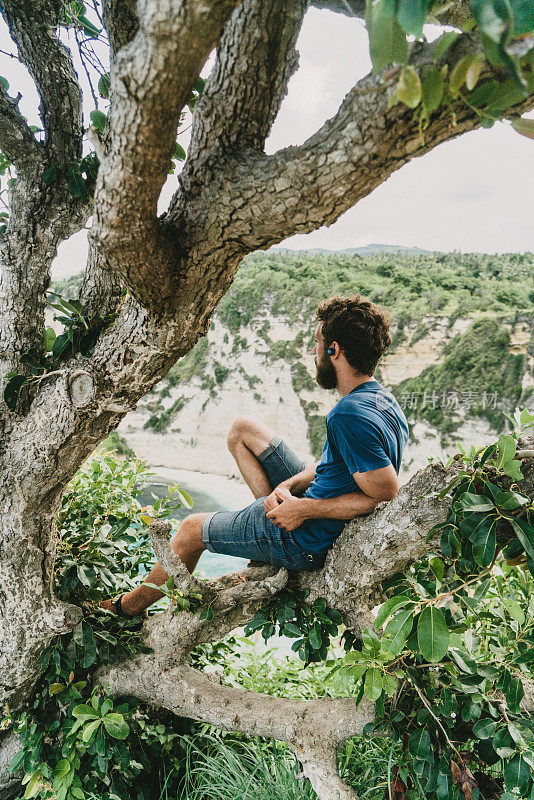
point(365, 430)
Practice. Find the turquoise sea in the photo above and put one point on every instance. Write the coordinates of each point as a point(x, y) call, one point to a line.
point(211, 565)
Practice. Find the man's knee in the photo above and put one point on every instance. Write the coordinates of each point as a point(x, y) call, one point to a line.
point(240, 431)
point(189, 532)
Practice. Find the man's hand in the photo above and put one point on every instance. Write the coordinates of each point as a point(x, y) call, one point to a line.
point(288, 514)
point(272, 501)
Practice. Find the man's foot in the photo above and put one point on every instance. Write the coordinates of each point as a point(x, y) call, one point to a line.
point(128, 608)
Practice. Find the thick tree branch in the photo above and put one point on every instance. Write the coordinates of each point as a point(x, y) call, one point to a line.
point(299, 189)
point(17, 141)
point(9, 782)
point(314, 729)
point(151, 80)
point(233, 599)
point(32, 26)
point(255, 59)
point(455, 13)
point(120, 19)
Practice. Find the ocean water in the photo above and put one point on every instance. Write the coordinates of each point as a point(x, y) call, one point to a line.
point(220, 498)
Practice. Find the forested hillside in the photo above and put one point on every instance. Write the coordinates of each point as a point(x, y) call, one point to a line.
point(461, 356)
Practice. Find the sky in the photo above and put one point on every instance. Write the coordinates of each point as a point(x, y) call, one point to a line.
point(470, 194)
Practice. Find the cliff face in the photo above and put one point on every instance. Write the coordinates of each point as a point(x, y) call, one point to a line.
point(461, 358)
point(254, 380)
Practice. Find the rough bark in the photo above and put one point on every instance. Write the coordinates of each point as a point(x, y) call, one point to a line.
point(232, 199)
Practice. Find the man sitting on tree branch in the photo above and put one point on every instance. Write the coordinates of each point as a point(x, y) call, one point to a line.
point(299, 512)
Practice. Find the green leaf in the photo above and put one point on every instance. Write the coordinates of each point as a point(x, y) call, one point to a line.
point(432, 634)
point(373, 684)
point(387, 40)
point(513, 469)
point(99, 119)
point(514, 609)
point(315, 636)
point(485, 728)
point(484, 542)
point(397, 631)
point(49, 338)
point(50, 175)
point(411, 15)
point(387, 609)
point(34, 784)
point(438, 567)
point(467, 71)
point(207, 614)
point(76, 183)
point(409, 90)
point(493, 17)
point(116, 726)
point(16, 761)
point(84, 712)
point(514, 694)
point(178, 152)
point(104, 85)
point(507, 446)
point(475, 502)
point(517, 774)
point(371, 642)
point(419, 744)
point(508, 501)
point(90, 729)
point(186, 498)
point(62, 768)
point(444, 787)
point(525, 534)
point(432, 89)
point(56, 688)
point(12, 390)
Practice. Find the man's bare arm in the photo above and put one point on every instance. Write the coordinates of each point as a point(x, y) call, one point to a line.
point(376, 485)
point(346, 506)
point(298, 483)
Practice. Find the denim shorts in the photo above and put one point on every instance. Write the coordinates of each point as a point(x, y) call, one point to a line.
point(249, 533)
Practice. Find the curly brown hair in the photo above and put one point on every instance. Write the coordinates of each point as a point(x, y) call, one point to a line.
point(360, 328)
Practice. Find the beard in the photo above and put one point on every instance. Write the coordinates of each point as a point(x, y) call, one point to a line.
point(325, 374)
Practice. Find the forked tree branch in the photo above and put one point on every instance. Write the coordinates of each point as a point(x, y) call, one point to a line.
point(151, 80)
point(255, 59)
point(32, 25)
point(313, 729)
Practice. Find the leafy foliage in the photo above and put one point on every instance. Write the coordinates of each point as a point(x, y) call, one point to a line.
point(310, 626)
point(450, 646)
point(79, 336)
point(507, 32)
point(76, 742)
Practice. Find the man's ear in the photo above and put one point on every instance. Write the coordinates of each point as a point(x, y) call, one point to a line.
point(334, 350)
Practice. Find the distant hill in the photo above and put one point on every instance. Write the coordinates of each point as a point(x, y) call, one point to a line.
point(368, 249)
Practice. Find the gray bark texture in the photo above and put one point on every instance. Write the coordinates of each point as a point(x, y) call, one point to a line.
point(232, 199)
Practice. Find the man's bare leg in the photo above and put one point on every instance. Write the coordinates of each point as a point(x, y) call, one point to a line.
point(188, 546)
point(248, 438)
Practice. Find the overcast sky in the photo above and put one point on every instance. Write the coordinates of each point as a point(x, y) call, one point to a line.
point(471, 194)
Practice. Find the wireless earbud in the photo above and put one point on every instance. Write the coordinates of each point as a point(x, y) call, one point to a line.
point(331, 351)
